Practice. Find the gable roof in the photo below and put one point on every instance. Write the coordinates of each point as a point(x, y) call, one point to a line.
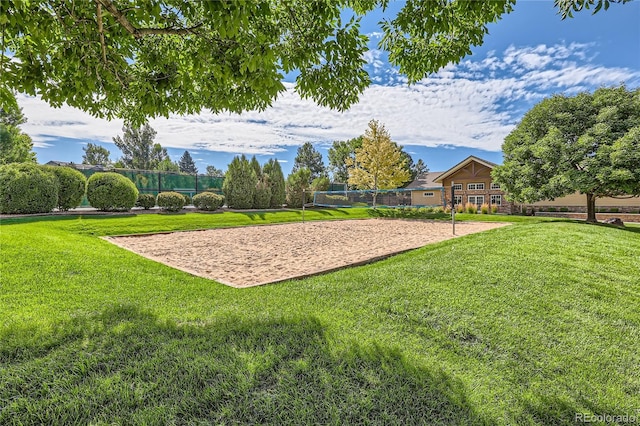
point(463, 163)
point(425, 181)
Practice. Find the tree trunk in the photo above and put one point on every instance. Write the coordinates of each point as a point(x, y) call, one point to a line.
point(591, 208)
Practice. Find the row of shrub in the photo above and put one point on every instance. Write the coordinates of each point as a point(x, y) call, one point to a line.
point(472, 208)
point(33, 188)
point(174, 201)
point(409, 212)
point(30, 188)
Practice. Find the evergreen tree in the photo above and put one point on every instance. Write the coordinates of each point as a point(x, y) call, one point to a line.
point(96, 155)
point(273, 170)
point(256, 167)
point(418, 169)
point(308, 157)
point(262, 197)
point(187, 165)
point(240, 184)
point(297, 185)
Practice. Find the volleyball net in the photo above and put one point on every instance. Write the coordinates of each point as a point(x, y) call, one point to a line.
point(384, 198)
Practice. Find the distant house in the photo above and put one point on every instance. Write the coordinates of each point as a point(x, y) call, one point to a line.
point(425, 191)
point(473, 184)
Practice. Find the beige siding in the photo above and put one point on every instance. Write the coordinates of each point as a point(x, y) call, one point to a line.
point(418, 197)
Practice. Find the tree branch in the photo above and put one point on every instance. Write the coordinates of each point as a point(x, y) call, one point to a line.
point(101, 32)
point(141, 32)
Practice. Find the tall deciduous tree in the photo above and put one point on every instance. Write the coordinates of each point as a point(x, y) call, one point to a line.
point(15, 146)
point(276, 181)
point(166, 165)
point(138, 150)
point(187, 165)
point(96, 155)
point(338, 154)
point(115, 58)
point(215, 172)
point(585, 143)
point(309, 158)
point(379, 163)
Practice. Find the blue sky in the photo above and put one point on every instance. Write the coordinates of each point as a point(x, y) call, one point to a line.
point(465, 109)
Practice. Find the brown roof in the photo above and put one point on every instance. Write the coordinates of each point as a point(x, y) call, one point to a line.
point(425, 181)
point(463, 163)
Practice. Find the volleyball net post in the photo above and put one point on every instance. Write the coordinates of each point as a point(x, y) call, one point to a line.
point(453, 207)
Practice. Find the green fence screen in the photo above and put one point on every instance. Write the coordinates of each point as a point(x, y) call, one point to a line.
point(153, 182)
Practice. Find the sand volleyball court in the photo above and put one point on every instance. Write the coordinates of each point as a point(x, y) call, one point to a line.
point(254, 255)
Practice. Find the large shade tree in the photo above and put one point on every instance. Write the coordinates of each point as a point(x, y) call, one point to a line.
point(338, 154)
point(138, 149)
point(135, 60)
point(587, 143)
point(378, 163)
point(96, 155)
point(15, 146)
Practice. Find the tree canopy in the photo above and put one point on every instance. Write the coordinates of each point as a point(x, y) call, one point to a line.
point(309, 158)
point(15, 146)
point(587, 143)
point(96, 155)
point(338, 154)
point(214, 171)
point(138, 60)
point(187, 165)
point(138, 150)
point(379, 163)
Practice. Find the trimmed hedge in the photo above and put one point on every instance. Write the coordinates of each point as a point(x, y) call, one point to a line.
point(170, 201)
point(72, 186)
point(111, 192)
point(208, 201)
point(27, 188)
point(146, 201)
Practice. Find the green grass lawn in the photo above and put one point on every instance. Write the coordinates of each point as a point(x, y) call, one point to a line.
point(526, 324)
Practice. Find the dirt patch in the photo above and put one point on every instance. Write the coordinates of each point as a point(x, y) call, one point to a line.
point(255, 255)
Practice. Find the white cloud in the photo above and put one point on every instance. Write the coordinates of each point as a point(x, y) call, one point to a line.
point(473, 104)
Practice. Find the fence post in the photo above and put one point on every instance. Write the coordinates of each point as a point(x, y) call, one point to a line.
point(159, 182)
point(196, 183)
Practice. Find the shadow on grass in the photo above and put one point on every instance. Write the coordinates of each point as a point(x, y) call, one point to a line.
point(125, 366)
point(66, 216)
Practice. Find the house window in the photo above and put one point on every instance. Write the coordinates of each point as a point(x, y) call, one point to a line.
point(496, 200)
point(474, 186)
point(495, 185)
point(457, 200)
point(478, 200)
point(427, 194)
point(457, 187)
